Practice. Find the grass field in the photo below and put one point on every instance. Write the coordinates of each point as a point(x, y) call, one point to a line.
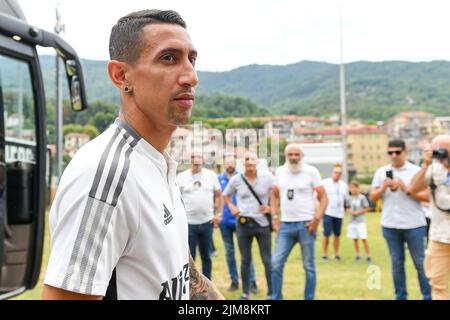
point(347, 279)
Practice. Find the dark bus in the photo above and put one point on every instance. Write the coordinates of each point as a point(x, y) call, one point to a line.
point(23, 144)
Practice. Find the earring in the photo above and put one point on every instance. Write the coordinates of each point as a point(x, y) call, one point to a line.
point(126, 89)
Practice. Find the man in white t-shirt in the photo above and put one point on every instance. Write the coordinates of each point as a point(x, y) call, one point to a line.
point(202, 196)
point(337, 192)
point(435, 175)
point(402, 218)
point(118, 226)
point(297, 184)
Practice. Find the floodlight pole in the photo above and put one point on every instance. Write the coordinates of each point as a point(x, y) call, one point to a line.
point(343, 102)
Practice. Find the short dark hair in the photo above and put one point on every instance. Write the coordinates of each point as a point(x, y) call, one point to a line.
point(125, 41)
point(397, 143)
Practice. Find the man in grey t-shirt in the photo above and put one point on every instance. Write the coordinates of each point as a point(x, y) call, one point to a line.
point(252, 217)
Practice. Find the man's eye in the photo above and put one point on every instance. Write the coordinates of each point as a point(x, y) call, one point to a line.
point(193, 60)
point(168, 57)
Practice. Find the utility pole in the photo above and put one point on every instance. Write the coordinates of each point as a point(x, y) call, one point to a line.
point(414, 133)
point(59, 27)
point(343, 103)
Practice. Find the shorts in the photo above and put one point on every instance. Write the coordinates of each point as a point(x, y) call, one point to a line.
point(357, 230)
point(332, 225)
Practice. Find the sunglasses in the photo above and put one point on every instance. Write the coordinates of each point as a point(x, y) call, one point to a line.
point(397, 152)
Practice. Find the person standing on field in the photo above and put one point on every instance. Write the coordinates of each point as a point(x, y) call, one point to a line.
point(357, 207)
point(297, 186)
point(337, 192)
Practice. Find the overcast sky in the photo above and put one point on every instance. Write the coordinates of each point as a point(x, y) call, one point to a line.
point(233, 33)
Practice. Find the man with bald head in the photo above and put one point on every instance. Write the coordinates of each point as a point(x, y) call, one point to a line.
point(253, 189)
point(435, 175)
point(296, 186)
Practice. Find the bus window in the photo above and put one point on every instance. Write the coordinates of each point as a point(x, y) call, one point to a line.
point(19, 110)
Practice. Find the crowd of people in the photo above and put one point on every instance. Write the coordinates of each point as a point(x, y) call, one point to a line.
point(296, 200)
point(124, 226)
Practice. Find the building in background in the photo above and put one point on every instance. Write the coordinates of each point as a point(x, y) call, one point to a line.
point(416, 128)
point(442, 125)
point(366, 149)
point(74, 141)
point(285, 124)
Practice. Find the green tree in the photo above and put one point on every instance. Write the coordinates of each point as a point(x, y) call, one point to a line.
point(102, 120)
point(90, 130)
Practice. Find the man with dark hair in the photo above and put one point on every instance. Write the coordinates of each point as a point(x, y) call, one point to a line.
point(125, 42)
point(118, 223)
point(402, 219)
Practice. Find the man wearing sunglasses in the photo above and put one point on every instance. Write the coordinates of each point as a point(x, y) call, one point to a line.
point(402, 219)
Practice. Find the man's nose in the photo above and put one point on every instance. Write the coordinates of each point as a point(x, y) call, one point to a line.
point(189, 76)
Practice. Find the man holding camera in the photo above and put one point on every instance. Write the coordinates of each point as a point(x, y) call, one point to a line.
point(402, 219)
point(436, 176)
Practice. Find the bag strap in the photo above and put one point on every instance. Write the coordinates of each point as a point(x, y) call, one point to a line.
point(251, 190)
point(433, 188)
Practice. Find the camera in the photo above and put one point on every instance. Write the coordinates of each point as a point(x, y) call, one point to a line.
point(440, 153)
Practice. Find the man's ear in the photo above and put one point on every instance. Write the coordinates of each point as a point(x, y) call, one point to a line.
point(117, 71)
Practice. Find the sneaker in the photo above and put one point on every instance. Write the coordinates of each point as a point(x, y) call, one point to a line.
point(233, 287)
point(269, 297)
point(254, 288)
point(324, 258)
point(358, 258)
point(369, 260)
point(245, 297)
point(214, 253)
point(337, 258)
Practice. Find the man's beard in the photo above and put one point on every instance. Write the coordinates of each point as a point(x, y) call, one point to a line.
point(178, 118)
point(230, 170)
point(294, 167)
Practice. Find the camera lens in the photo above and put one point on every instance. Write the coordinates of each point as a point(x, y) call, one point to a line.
point(440, 153)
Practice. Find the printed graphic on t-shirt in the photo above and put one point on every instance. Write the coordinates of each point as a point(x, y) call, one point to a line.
point(167, 216)
point(290, 194)
point(174, 288)
point(197, 184)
